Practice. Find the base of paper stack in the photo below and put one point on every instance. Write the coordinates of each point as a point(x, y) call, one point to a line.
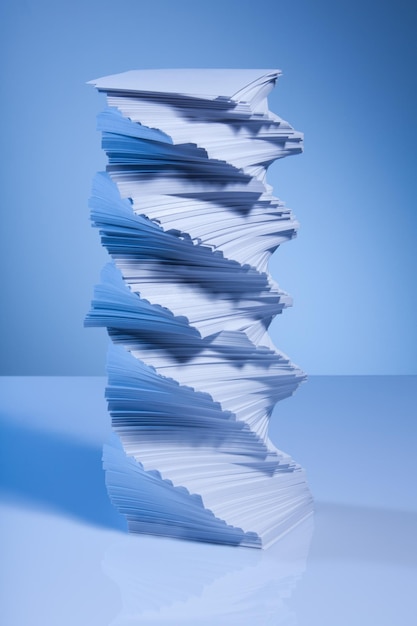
point(155, 506)
point(181, 467)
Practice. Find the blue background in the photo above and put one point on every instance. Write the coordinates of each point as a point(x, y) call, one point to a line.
point(349, 84)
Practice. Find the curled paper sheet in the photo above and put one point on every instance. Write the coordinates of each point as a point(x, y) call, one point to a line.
point(189, 221)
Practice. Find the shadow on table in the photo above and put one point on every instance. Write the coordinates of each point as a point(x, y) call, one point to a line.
point(54, 472)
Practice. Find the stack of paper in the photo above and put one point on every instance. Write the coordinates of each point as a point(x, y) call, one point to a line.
point(187, 216)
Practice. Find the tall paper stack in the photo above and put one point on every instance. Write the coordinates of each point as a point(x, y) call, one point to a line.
point(186, 214)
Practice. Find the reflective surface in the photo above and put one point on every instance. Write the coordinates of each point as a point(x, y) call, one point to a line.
point(66, 558)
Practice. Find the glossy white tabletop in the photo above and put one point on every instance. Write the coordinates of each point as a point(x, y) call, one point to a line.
point(67, 560)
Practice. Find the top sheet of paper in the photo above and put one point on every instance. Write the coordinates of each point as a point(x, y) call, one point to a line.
point(206, 83)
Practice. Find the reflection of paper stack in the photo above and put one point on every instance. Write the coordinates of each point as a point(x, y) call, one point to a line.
point(195, 583)
point(186, 214)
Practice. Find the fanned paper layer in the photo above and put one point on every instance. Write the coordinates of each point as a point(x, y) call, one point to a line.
point(189, 221)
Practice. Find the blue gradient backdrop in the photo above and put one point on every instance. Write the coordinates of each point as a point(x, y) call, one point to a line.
point(349, 84)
